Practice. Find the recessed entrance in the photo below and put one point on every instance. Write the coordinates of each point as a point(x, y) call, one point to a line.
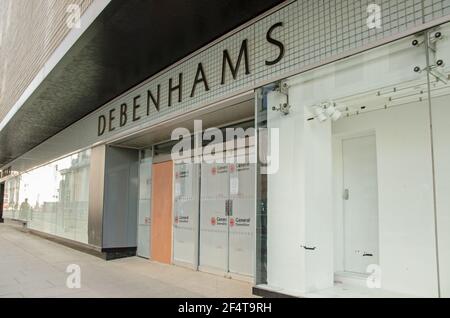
point(214, 214)
point(180, 199)
point(227, 218)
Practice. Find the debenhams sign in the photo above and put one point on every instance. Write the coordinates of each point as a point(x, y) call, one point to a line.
point(120, 115)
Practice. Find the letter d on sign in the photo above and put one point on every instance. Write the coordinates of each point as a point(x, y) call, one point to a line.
point(74, 279)
point(101, 124)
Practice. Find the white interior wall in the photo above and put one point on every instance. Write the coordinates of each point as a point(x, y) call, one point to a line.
point(286, 266)
point(318, 201)
point(299, 201)
point(405, 192)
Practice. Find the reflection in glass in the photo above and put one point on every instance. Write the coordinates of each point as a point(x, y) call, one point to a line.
point(52, 198)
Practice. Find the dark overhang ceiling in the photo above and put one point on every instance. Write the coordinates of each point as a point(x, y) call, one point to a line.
point(127, 43)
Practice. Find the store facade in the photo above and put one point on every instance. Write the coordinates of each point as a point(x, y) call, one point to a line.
point(338, 188)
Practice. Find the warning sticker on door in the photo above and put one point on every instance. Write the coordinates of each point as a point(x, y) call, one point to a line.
point(241, 222)
point(183, 219)
point(219, 220)
point(243, 166)
point(219, 170)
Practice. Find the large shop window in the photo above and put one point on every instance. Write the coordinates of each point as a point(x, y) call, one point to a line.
point(52, 198)
point(360, 202)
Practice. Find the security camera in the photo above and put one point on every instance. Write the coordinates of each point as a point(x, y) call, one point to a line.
point(415, 42)
point(417, 69)
point(440, 63)
point(437, 35)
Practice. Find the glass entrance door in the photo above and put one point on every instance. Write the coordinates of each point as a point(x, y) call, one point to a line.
point(213, 217)
point(227, 216)
point(144, 215)
point(185, 223)
point(242, 218)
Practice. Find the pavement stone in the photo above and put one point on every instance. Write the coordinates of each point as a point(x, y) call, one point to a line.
point(31, 266)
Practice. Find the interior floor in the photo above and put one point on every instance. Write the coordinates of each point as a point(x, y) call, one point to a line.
point(339, 290)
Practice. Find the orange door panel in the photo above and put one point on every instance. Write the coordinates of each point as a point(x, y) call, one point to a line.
point(161, 241)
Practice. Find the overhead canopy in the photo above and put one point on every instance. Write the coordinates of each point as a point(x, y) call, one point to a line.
point(127, 43)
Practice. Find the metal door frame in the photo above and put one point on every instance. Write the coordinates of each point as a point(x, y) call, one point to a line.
point(2, 192)
point(139, 190)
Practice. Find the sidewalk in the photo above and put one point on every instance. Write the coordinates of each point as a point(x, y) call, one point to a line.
point(31, 266)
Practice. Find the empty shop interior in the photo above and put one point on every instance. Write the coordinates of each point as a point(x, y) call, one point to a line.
point(356, 204)
point(364, 155)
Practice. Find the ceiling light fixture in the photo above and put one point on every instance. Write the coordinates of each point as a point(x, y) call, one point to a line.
point(326, 110)
point(320, 113)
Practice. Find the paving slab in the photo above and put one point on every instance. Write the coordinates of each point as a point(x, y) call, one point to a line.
point(31, 266)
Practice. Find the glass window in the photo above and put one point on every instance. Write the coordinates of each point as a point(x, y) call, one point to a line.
point(11, 198)
point(353, 202)
point(439, 87)
point(53, 198)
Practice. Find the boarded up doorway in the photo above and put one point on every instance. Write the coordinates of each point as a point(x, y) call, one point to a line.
point(162, 200)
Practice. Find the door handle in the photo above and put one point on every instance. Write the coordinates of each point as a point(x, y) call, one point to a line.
point(346, 194)
point(229, 207)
